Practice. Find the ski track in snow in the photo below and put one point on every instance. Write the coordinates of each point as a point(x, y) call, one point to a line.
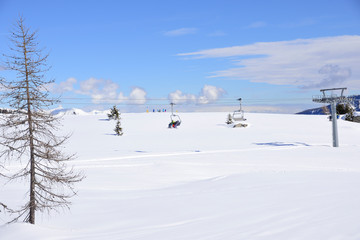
point(83, 163)
point(196, 152)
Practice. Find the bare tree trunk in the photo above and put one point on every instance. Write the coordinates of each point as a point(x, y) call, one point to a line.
point(31, 138)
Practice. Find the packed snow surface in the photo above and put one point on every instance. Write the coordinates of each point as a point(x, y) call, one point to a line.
point(279, 178)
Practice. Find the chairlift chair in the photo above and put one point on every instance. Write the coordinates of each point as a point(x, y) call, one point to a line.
point(175, 119)
point(238, 115)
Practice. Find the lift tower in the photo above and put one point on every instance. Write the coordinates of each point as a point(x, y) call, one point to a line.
point(333, 99)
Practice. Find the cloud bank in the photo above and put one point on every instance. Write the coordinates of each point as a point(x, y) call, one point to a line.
point(333, 76)
point(302, 62)
point(101, 91)
point(107, 91)
point(137, 96)
point(180, 97)
point(208, 94)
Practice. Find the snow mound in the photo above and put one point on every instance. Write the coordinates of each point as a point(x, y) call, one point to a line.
point(70, 111)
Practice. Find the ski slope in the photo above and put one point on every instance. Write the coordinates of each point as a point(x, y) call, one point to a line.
point(279, 178)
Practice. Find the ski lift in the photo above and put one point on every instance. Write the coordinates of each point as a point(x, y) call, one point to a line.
point(238, 115)
point(175, 119)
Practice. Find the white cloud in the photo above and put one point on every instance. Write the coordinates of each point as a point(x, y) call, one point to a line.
point(68, 85)
point(208, 94)
point(94, 86)
point(61, 87)
point(100, 90)
point(180, 32)
point(137, 96)
point(179, 97)
point(121, 97)
point(334, 76)
point(295, 62)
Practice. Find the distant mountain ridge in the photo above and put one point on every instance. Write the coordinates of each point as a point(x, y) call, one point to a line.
point(320, 110)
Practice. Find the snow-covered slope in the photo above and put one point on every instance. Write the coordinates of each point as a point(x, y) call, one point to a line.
point(279, 178)
point(70, 111)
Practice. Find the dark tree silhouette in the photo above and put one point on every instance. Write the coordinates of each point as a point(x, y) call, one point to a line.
point(118, 128)
point(114, 113)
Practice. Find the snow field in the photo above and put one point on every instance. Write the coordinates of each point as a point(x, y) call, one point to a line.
point(279, 178)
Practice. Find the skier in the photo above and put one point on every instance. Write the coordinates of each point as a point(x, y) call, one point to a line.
point(174, 124)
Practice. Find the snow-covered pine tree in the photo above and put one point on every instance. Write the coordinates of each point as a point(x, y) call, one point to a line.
point(229, 119)
point(349, 116)
point(114, 113)
point(118, 128)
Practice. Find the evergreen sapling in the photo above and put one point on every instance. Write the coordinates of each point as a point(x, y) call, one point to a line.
point(229, 119)
point(114, 113)
point(118, 128)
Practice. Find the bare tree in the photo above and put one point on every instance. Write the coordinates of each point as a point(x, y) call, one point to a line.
point(29, 135)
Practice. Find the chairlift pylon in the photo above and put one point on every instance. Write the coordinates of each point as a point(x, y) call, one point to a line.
point(175, 119)
point(333, 99)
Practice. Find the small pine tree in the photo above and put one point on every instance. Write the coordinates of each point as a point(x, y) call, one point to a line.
point(350, 114)
point(114, 113)
point(118, 128)
point(343, 108)
point(229, 119)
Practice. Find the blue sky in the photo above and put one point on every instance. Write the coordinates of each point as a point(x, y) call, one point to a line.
point(275, 55)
